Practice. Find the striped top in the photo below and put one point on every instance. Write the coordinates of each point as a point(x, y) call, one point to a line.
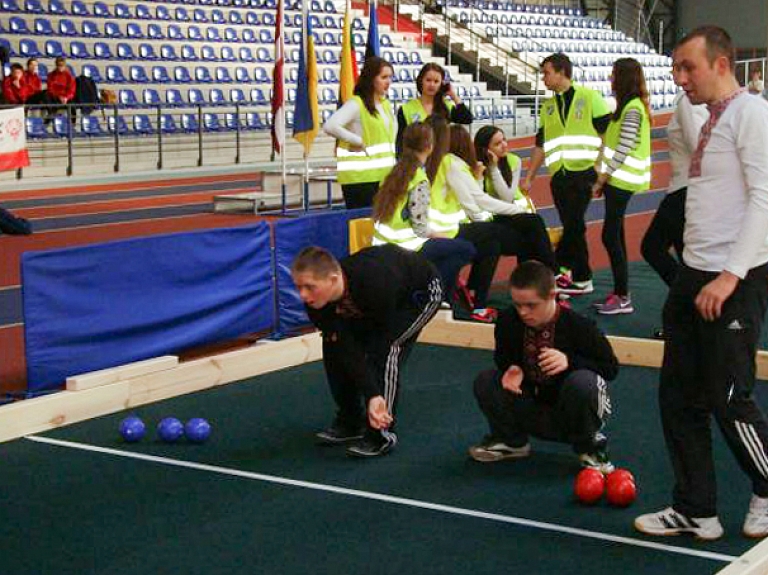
point(628, 140)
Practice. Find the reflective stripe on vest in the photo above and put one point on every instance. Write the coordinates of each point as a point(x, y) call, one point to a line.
point(634, 174)
point(574, 145)
point(399, 230)
point(376, 161)
point(445, 211)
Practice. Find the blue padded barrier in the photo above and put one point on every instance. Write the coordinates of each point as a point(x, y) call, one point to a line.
point(97, 306)
point(329, 230)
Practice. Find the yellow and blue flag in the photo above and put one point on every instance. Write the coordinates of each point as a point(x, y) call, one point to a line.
point(348, 74)
point(306, 122)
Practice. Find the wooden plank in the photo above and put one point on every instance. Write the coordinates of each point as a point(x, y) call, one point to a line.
point(58, 410)
point(753, 562)
point(120, 373)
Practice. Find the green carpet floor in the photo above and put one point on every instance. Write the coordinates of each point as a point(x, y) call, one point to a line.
point(72, 512)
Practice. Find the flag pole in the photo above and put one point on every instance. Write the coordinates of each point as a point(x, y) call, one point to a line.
point(305, 37)
point(283, 159)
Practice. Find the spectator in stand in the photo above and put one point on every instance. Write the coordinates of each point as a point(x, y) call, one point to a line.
point(756, 84)
point(34, 84)
point(61, 87)
point(15, 87)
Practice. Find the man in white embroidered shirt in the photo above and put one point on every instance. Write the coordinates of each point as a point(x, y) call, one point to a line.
point(715, 308)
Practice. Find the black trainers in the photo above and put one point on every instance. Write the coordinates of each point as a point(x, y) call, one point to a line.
point(490, 450)
point(373, 445)
point(338, 434)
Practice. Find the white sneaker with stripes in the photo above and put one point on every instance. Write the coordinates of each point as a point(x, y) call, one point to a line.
point(670, 522)
point(756, 521)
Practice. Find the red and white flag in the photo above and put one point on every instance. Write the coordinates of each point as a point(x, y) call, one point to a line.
point(278, 93)
point(13, 140)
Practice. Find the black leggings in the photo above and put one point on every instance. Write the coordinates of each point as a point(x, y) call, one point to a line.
point(525, 236)
point(359, 195)
point(484, 236)
point(614, 238)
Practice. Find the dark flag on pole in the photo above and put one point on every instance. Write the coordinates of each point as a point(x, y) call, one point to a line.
point(372, 47)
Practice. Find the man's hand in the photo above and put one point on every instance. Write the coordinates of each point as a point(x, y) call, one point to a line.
point(552, 361)
point(712, 296)
point(512, 380)
point(378, 414)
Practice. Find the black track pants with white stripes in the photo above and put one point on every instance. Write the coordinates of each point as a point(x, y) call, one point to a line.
point(576, 416)
point(709, 370)
point(361, 364)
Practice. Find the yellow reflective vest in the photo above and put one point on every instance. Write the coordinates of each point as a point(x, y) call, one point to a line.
point(398, 230)
point(634, 174)
point(374, 162)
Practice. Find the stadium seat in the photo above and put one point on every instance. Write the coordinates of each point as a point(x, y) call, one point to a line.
point(208, 53)
point(92, 72)
point(291, 95)
point(117, 124)
point(222, 75)
point(67, 28)
point(253, 121)
point(102, 51)
point(266, 37)
point(142, 125)
point(194, 33)
point(246, 55)
point(188, 53)
point(79, 8)
point(155, 32)
point(181, 14)
point(257, 96)
point(90, 29)
point(327, 96)
point(237, 96)
point(268, 19)
point(252, 19)
point(248, 36)
point(133, 30)
point(203, 75)
point(167, 124)
point(293, 75)
point(217, 17)
point(125, 51)
point(54, 49)
point(43, 27)
point(56, 7)
point(127, 97)
point(173, 97)
point(115, 75)
point(62, 127)
point(231, 35)
point(147, 52)
point(112, 30)
point(101, 9)
point(261, 75)
point(211, 122)
point(330, 57)
point(212, 34)
point(33, 7)
point(227, 54)
point(18, 25)
point(232, 121)
point(195, 96)
point(181, 75)
point(161, 12)
point(90, 126)
point(78, 49)
point(235, 17)
point(216, 97)
point(199, 15)
point(168, 52)
point(263, 55)
point(28, 48)
point(150, 97)
point(329, 76)
point(138, 74)
point(122, 11)
point(36, 128)
point(189, 123)
point(242, 76)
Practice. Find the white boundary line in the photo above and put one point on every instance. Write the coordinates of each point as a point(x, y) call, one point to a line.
point(386, 499)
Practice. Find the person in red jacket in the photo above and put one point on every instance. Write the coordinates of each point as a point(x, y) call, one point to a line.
point(34, 84)
point(61, 87)
point(15, 90)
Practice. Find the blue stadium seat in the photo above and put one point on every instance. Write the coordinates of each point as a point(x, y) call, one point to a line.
point(230, 35)
point(181, 75)
point(293, 75)
point(260, 75)
point(248, 36)
point(327, 96)
point(90, 126)
point(79, 8)
point(133, 30)
point(56, 7)
point(232, 121)
point(266, 37)
point(416, 58)
point(222, 75)
point(194, 33)
point(150, 97)
point(125, 51)
point(188, 53)
point(54, 49)
point(216, 97)
point(127, 97)
point(181, 14)
point(293, 37)
point(252, 19)
point(118, 123)
point(168, 52)
point(227, 54)
point(329, 7)
point(235, 17)
point(90, 29)
point(203, 75)
point(175, 33)
point(211, 122)
point(257, 96)
point(263, 55)
point(212, 34)
point(143, 12)
point(43, 27)
point(167, 124)
point(7, 45)
point(291, 95)
point(161, 12)
point(408, 93)
point(67, 28)
point(246, 55)
point(208, 53)
point(217, 17)
point(268, 19)
point(92, 72)
point(155, 31)
point(253, 121)
point(142, 125)
point(147, 52)
point(315, 6)
point(18, 25)
point(242, 76)
point(173, 97)
point(189, 123)
point(315, 21)
point(79, 50)
point(62, 127)
point(195, 96)
point(331, 39)
point(36, 128)
point(33, 7)
point(329, 76)
point(101, 9)
point(102, 51)
point(28, 48)
point(115, 75)
point(199, 15)
point(138, 74)
point(112, 29)
point(9, 6)
point(123, 11)
point(236, 95)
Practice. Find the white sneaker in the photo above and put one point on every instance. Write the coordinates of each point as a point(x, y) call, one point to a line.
point(491, 450)
point(670, 522)
point(756, 521)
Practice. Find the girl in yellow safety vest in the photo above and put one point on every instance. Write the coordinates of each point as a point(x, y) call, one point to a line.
point(401, 211)
point(502, 176)
point(365, 129)
point(625, 169)
point(437, 97)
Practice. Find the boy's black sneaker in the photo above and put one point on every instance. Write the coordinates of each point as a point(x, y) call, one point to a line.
point(373, 445)
point(338, 434)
